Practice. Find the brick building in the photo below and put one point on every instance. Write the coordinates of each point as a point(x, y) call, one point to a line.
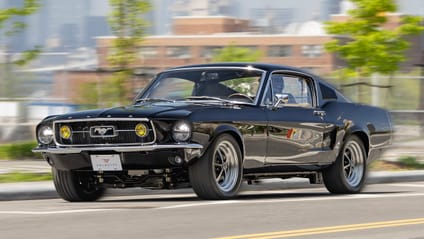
point(196, 39)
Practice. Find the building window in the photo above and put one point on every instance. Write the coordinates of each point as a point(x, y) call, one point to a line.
point(312, 51)
point(251, 48)
point(210, 51)
point(280, 51)
point(178, 52)
point(148, 52)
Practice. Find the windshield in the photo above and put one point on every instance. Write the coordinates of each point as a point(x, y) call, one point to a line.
point(229, 84)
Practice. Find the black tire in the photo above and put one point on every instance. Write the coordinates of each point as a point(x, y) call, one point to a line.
point(348, 173)
point(215, 175)
point(74, 188)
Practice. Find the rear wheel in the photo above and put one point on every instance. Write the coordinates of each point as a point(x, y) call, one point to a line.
point(218, 174)
point(74, 187)
point(347, 174)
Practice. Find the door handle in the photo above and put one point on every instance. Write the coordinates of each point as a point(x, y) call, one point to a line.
point(320, 113)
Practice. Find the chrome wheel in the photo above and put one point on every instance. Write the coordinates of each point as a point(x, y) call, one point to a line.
point(226, 166)
point(347, 173)
point(218, 173)
point(353, 163)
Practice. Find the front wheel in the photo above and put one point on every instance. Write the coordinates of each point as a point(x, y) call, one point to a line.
point(218, 174)
point(74, 187)
point(347, 174)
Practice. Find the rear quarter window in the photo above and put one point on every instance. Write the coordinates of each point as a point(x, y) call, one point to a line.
point(327, 93)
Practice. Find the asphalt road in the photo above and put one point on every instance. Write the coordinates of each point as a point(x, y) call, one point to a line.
point(381, 211)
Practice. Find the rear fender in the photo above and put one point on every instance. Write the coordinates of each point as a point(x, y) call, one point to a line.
point(362, 134)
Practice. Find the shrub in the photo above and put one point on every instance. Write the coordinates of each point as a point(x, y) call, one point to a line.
point(411, 162)
point(19, 150)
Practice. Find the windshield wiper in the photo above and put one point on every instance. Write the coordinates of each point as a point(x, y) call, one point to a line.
point(212, 98)
point(153, 100)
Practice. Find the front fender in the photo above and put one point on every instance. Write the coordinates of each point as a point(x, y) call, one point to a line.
point(206, 135)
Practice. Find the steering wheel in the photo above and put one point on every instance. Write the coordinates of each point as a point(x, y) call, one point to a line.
point(241, 96)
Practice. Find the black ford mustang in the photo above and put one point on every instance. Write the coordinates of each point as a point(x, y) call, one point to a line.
point(211, 127)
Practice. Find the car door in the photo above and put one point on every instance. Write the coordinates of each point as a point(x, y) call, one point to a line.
point(297, 132)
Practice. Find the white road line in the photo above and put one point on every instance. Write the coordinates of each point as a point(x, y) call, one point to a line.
point(58, 212)
point(407, 185)
point(326, 198)
point(201, 204)
point(224, 202)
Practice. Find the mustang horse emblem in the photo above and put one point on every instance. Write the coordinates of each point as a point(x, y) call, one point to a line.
point(102, 131)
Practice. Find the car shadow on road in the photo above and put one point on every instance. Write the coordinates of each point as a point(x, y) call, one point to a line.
point(269, 195)
point(290, 195)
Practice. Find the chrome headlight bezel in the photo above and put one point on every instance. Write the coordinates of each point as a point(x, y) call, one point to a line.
point(181, 131)
point(45, 134)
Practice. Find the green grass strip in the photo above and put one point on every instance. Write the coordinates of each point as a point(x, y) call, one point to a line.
point(18, 150)
point(15, 177)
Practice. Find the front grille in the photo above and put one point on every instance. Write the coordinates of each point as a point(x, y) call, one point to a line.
point(100, 132)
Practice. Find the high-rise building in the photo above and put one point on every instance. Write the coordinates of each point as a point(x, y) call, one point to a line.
point(17, 41)
point(58, 24)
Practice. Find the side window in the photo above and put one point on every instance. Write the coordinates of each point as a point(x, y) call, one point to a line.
point(296, 88)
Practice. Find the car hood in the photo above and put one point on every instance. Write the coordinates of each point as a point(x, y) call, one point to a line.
point(144, 110)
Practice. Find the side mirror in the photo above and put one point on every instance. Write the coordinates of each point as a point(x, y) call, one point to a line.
point(280, 99)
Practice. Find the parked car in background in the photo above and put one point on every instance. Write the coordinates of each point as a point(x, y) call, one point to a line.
point(212, 126)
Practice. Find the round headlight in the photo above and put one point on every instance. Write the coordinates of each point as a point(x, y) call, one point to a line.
point(141, 130)
point(45, 135)
point(181, 131)
point(65, 132)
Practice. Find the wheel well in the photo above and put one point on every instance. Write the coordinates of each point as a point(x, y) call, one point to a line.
point(364, 138)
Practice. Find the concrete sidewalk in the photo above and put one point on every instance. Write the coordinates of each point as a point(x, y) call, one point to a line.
point(46, 190)
point(398, 149)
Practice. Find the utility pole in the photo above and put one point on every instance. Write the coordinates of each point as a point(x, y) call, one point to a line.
point(421, 98)
point(7, 86)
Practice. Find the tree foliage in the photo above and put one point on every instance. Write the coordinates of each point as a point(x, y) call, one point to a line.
point(128, 25)
point(234, 53)
point(365, 44)
point(8, 15)
point(11, 24)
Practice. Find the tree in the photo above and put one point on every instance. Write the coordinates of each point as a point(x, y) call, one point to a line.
point(10, 25)
point(367, 47)
point(128, 25)
point(233, 53)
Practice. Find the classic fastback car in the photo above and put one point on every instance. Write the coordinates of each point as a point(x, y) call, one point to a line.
point(212, 126)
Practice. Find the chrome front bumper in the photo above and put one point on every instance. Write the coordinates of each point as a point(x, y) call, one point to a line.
point(193, 149)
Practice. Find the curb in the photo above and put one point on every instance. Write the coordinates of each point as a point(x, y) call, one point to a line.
point(46, 190)
point(27, 191)
point(395, 176)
